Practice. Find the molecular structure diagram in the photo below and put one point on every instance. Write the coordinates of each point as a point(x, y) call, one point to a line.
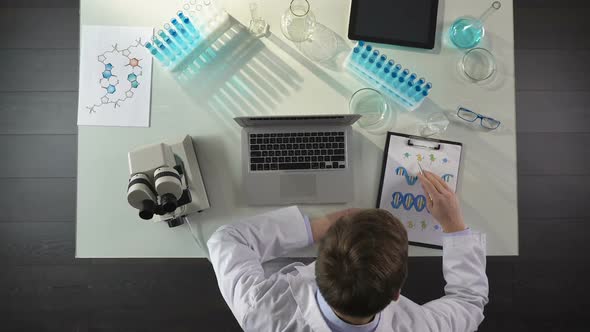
point(110, 81)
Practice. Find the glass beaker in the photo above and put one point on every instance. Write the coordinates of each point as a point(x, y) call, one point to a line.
point(467, 32)
point(258, 26)
point(298, 22)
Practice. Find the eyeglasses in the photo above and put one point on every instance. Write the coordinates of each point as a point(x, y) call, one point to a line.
point(471, 116)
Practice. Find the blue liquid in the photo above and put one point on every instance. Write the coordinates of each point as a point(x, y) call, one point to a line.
point(164, 49)
point(156, 54)
point(172, 45)
point(412, 78)
point(464, 33)
point(392, 78)
point(417, 89)
point(397, 83)
point(178, 39)
point(405, 87)
point(189, 25)
point(182, 30)
point(361, 43)
point(397, 68)
point(356, 53)
point(418, 98)
point(404, 73)
point(377, 67)
point(384, 74)
point(427, 87)
point(420, 81)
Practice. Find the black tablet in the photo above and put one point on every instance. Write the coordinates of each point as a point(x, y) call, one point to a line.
point(397, 22)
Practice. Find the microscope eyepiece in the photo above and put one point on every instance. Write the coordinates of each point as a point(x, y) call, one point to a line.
point(169, 203)
point(146, 212)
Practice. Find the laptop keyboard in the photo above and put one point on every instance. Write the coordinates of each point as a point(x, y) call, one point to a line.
point(297, 151)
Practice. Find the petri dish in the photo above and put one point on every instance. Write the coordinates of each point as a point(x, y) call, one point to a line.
point(478, 64)
point(370, 104)
point(437, 123)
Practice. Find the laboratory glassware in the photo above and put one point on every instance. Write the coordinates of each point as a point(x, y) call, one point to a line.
point(467, 32)
point(298, 22)
point(478, 64)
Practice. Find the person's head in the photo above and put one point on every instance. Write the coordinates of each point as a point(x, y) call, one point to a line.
point(362, 263)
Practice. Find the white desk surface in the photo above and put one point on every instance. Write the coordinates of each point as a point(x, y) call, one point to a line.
point(108, 227)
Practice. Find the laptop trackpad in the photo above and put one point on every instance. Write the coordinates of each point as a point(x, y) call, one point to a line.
point(298, 185)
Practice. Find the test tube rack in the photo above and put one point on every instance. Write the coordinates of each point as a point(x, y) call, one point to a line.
point(385, 75)
point(186, 41)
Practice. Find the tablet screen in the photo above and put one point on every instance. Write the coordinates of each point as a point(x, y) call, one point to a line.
point(399, 22)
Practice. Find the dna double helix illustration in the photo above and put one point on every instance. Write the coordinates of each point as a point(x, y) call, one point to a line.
point(447, 177)
point(408, 201)
point(401, 171)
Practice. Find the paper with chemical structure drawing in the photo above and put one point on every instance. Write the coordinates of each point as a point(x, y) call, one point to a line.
point(115, 76)
point(402, 194)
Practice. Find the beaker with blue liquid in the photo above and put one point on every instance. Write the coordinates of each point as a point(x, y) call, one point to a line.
point(467, 32)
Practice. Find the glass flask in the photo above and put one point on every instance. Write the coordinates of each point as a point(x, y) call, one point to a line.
point(298, 22)
point(467, 32)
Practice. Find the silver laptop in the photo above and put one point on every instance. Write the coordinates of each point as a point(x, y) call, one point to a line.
point(297, 159)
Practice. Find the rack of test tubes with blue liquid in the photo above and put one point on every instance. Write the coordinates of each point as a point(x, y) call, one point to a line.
point(186, 41)
point(387, 76)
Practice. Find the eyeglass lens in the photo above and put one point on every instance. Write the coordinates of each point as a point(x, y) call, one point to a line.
point(490, 123)
point(467, 115)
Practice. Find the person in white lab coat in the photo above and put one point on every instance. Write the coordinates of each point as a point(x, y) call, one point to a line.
point(355, 283)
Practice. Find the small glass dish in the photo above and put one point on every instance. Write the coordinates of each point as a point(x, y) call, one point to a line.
point(478, 64)
point(377, 115)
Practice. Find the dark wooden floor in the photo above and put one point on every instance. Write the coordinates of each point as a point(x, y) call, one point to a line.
point(43, 288)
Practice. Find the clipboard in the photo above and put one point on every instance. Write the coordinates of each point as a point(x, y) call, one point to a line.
point(399, 189)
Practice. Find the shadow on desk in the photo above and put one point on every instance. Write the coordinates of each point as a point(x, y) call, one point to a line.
point(243, 77)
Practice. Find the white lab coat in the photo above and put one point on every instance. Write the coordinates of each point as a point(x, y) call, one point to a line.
point(285, 300)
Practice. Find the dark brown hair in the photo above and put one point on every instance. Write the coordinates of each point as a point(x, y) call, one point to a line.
point(362, 262)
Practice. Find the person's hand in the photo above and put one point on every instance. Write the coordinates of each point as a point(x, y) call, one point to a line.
point(442, 202)
point(319, 226)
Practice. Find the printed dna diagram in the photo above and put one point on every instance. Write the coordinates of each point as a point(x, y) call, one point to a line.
point(411, 180)
point(401, 171)
point(408, 201)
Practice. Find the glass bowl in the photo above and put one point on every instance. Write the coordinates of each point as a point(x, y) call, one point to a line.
point(478, 64)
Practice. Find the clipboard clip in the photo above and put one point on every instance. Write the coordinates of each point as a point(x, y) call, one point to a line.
point(436, 148)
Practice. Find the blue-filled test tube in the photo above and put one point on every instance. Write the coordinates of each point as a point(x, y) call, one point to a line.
point(377, 67)
point(397, 68)
point(383, 58)
point(384, 74)
point(183, 31)
point(412, 78)
point(368, 48)
point(392, 78)
point(360, 44)
point(181, 42)
point(156, 53)
point(389, 65)
point(427, 87)
point(418, 98)
point(189, 25)
point(408, 86)
point(163, 48)
point(412, 92)
point(171, 44)
point(404, 73)
point(421, 81)
point(356, 54)
point(397, 83)
point(363, 58)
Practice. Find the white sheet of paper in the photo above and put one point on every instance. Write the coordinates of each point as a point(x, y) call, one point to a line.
point(115, 76)
point(402, 194)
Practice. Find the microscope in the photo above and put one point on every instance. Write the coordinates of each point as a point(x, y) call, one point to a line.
point(165, 180)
